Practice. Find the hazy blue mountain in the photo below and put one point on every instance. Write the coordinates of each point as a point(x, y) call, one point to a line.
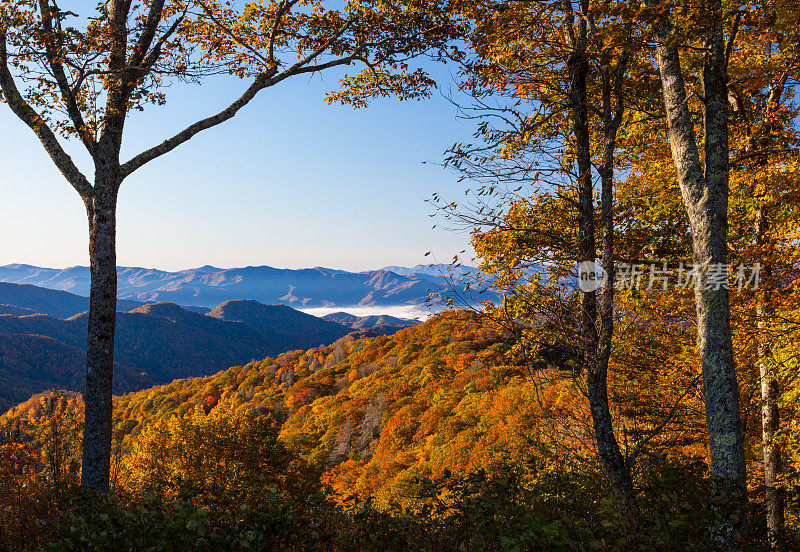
point(452, 277)
point(59, 304)
point(383, 324)
point(208, 286)
point(434, 270)
point(294, 329)
point(460, 273)
point(155, 343)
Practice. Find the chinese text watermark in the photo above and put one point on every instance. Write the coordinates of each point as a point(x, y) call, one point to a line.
point(641, 276)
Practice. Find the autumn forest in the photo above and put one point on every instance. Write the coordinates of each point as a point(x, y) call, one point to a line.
point(617, 372)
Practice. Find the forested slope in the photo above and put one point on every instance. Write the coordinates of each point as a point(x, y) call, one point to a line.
point(444, 416)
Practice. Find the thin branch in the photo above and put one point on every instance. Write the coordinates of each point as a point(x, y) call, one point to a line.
point(148, 33)
point(283, 8)
point(28, 115)
point(732, 39)
point(333, 63)
point(68, 94)
point(151, 58)
point(667, 419)
point(313, 55)
point(266, 79)
point(261, 81)
point(235, 38)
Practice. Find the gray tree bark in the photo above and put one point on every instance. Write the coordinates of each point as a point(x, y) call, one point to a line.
point(596, 345)
point(578, 66)
point(615, 462)
point(705, 197)
point(774, 502)
point(101, 211)
point(770, 414)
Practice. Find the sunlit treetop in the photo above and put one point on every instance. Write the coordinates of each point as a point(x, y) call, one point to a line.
point(74, 72)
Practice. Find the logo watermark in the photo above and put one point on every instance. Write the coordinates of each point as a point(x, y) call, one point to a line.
point(591, 276)
point(640, 276)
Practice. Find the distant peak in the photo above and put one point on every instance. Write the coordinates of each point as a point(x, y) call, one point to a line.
point(18, 266)
point(235, 302)
point(239, 306)
point(161, 309)
point(257, 304)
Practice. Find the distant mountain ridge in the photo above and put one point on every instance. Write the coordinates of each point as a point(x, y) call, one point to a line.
point(294, 329)
point(209, 286)
point(435, 270)
point(155, 342)
point(31, 364)
point(57, 303)
point(380, 324)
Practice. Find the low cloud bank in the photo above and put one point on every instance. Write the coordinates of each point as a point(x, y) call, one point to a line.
point(403, 311)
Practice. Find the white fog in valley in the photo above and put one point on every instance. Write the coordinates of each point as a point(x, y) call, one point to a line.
point(411, 312)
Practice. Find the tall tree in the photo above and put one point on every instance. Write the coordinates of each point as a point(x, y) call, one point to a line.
point(704, 188)
point(568, 61)
point(765, 194)
point(762, 69)
point(81, 78)
point(597, 325)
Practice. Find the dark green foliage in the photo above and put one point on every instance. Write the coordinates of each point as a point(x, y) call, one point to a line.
point(477, 512)
point(275, 522)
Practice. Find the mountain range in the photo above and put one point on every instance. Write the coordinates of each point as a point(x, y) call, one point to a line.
point(208, 286)
point(379, 324)
point(31, 299)
point(43, 337)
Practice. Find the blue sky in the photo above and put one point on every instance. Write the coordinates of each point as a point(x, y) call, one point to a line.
point(290, 182)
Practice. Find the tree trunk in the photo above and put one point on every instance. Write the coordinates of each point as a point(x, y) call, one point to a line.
point(101, 210)
point(705, 198)
point(596, 348)
point(770, 415)
point(615, 464)
point(770, 419)
point(578, 66)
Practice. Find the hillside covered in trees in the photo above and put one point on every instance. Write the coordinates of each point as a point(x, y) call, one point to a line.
point(156, 342)
point(623, 375)
point(435, 418)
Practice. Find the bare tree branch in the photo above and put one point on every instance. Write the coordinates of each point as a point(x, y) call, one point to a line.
point(46, 136)
point(667, 419)
point(68, 94)
point(283, 8)
point(236, 39)
point(262, 81)
point(151, 58)
point(320, 49)
point(148, 33)
point(266, 79)
point(117, 99)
